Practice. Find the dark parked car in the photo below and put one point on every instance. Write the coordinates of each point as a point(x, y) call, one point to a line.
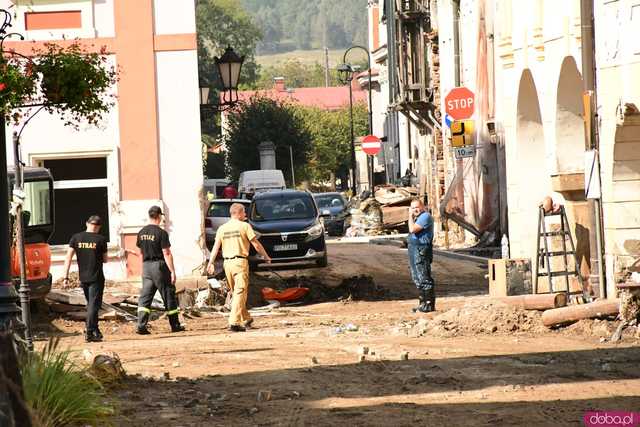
point(334, 211)
point(288, 226)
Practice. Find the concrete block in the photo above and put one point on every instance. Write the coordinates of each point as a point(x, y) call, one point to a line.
point(191, 283)
point(509, 277)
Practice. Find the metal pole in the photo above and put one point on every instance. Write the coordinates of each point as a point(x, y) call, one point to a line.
point(370, 123)
point(595, 206)
point(353, 144)
point(24, 291)
point(326, 67)
point(8, 294)
point(293, 174)
point(370, 160)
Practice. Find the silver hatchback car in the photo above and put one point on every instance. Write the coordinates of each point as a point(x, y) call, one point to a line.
point(218, 214)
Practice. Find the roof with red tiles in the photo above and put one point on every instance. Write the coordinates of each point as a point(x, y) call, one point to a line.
point(328, 98)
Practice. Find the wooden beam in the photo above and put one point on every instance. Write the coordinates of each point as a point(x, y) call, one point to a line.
point(564, 315)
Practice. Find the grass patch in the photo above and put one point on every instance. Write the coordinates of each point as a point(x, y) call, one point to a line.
point(308, 57)
point(59, 392)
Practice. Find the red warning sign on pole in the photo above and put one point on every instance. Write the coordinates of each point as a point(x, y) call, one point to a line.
point(460, 103)
point(371, 145)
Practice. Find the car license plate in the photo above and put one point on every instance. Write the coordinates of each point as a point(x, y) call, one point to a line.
point(286, 247)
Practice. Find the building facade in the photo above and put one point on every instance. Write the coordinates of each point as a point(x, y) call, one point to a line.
point(541, 67)
point(147, 150)
point(542, 83)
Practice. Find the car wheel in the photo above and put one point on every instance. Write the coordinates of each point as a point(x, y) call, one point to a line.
point(323, 262)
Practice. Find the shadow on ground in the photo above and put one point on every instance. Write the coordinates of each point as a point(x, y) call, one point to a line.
point(394, 392)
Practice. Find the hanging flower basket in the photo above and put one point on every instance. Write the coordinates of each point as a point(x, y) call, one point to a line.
point(17, 85)
point(75, 82)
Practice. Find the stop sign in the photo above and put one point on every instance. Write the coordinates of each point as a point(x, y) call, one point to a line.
point(460, 103)
point(371, 145)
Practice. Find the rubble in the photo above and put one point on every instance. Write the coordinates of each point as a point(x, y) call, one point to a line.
point(106, 368)
point(470, 319)
point(385, 210)
point(390, 195)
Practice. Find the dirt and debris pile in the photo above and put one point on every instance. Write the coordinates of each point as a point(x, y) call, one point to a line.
point(385, 210)
point(491, 318)
point(366, 219)
point(74, 282)
point(106, 368)
point(591, 327)
point(356, 288)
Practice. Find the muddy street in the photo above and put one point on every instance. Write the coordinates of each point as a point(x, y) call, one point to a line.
point(369, 362)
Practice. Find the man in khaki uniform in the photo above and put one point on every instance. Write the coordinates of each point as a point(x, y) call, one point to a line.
point(234, 238)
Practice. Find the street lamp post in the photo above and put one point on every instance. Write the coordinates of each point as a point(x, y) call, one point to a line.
point(8, 293)
point(346, 71)
point(229, 66)
point(346, 76)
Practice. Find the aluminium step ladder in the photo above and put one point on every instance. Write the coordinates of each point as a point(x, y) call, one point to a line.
point(544, 254)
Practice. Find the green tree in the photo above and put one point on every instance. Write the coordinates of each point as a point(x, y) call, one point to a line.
point(223, 23)
point(336, 24)
point(264, 119)
point(331, 137)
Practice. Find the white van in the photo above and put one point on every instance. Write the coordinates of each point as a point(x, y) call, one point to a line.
point(215, 187)
point(254, 181)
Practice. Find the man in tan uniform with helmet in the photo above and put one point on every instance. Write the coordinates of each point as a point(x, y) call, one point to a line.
point(234, 238)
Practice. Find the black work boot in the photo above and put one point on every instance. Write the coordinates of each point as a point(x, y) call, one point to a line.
point(91, 336)
point(429, 301)
point(175, 323)
point(143, 318)
point(420, 302)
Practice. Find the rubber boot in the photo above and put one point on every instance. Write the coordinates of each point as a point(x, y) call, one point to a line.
point(175, 323)
point(429, 301)
point(143, 318)
point(421, 301)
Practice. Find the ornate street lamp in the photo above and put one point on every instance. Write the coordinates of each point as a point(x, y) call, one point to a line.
point(345, 75)
point(229, 66)
point(204, 95)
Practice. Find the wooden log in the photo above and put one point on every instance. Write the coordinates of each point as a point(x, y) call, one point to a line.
point(572, 313)
point(536, 302)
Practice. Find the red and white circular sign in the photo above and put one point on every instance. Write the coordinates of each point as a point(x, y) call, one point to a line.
point(460, 103)
point(371, 145)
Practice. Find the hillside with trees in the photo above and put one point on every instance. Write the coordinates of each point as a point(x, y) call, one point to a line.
point(293, 24)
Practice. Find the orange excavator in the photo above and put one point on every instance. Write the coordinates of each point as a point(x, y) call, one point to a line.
point(38, 220)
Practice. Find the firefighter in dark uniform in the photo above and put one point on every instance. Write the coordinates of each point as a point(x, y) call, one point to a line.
point(420, 245)
point(90, 248)
point(158, 273)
